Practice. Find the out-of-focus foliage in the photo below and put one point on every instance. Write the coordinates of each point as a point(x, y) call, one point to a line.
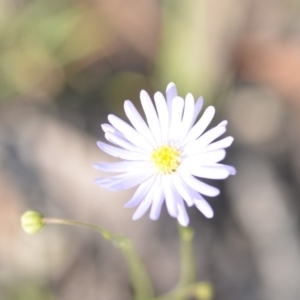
point(27, 291)
point(42, 38)
point(184, 56)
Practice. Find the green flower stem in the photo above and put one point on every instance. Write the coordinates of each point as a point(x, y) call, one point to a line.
point(181, 293)
point(139, 278)
point(187, 285)
point(188, 270)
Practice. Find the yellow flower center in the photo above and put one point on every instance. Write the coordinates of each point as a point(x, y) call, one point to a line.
point(166, 159)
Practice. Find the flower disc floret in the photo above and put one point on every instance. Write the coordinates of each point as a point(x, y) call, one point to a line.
point(166, 159)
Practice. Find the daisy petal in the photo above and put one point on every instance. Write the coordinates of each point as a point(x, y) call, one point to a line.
point(170, 196)
point(182, 216)
point(230, 169)
point(151, 115)
point(224, 143)
point(204, 140)
point(163, 115)
point(158, 200)
point(143, 207)
point(141, 192)
point(145, 204)
point(106, 182)
point(130, 181)
point(124, 181)
point(197, 109)
point(223, 123)
point(138, 122)
point(131, 134)
point(177, 108)
point(121, 153)
point(204, 207)
point(187, 118)
point(201, 125)
point(182, 189)
point(199, 186)
point(171, 93)
point(109, 128)
point(123, 166)
point(211, 172)
point(204, 159)
point(122, 143)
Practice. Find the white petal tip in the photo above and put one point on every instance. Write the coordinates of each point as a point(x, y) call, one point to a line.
point(178, 100)
point(184, 224)
point(204, 207)
point(231, 139)
point(96, 166)
point(154, 218)
point(104, 127)
point(232, 171)
point(158, 96)
point(223, 123)
point(134, 218)
point(143, 94)
point(172, 212)
point(214, 192)
point(110, 117)
point(200, 100)
point(207, 211)
point(171, 85)
point(127, 103)
point(217, 193)
point(189, 96)
point(209, 216)
point(98, 181)
point(211, 108)
point(129, 205)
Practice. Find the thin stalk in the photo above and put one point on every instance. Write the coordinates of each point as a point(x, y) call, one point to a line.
point(202, 290)
point(188, 270)
point(139, 278)
point(180, 293)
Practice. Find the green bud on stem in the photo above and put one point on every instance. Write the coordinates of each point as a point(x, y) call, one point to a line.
point(32, 221)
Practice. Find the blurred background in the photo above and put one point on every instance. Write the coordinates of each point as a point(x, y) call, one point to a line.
point(66, 64)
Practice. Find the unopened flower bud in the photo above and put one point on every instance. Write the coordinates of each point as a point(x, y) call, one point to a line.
point(32, 221)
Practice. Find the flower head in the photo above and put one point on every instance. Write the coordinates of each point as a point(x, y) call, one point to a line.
point(165, 155)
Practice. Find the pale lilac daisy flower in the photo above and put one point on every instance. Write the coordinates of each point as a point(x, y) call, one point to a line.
point(165, 155)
